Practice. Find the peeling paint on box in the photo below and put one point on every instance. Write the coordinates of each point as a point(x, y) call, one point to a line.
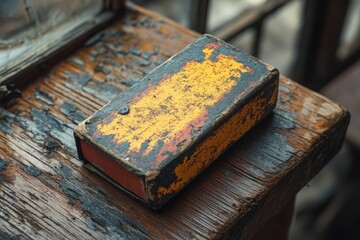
point(180, 117)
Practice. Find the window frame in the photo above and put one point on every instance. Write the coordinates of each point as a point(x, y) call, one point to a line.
point(20, 71)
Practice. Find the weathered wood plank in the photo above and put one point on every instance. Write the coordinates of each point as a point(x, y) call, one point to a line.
point(45, 190)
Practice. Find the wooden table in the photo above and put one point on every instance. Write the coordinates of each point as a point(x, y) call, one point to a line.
point(46, 193)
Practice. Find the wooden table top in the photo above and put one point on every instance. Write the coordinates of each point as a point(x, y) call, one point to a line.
point(45, 191)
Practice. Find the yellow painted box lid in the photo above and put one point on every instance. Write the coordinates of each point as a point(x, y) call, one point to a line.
point(157, 136)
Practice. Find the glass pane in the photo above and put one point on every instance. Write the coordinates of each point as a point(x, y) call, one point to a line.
point(176, 10)
point(225, 10)
point(23, 22)
point(280, 35)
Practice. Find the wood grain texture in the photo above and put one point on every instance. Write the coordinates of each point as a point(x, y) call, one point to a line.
point(45, 192)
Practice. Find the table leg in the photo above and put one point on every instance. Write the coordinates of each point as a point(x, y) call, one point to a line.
point(278, 227)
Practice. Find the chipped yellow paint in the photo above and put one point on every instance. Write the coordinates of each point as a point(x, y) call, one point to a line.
point(170, 106)
point(217, 143)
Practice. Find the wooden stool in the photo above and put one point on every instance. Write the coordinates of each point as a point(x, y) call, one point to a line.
point(45, 192)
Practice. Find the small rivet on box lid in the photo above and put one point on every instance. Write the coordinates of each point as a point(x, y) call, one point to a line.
point(124, 110)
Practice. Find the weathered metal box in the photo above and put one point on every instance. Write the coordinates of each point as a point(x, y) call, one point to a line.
point(156, 137)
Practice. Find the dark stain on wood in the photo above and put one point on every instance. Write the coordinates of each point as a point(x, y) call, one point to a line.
point(140, 21)
point(82, 79)
point(6, 236)
point(33, 196)
point(45, 122)
point(3, 166)
point(71, 111)
point(78, 61)
point(134, 50)
point(50, 145)
point(44, 96)
point(140, 61)
point(6, 175)
point(6, 120)
point(101, 68)
point(148, 54)
point(32, 170)
point(282, 123)
point(103, 91)
point(112, 220)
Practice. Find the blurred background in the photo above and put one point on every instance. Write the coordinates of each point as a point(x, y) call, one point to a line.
point(315, 42)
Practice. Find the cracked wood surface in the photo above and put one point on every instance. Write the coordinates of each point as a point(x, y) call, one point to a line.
point(45, 191)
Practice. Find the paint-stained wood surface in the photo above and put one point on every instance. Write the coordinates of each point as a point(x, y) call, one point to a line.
point(45, 192)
